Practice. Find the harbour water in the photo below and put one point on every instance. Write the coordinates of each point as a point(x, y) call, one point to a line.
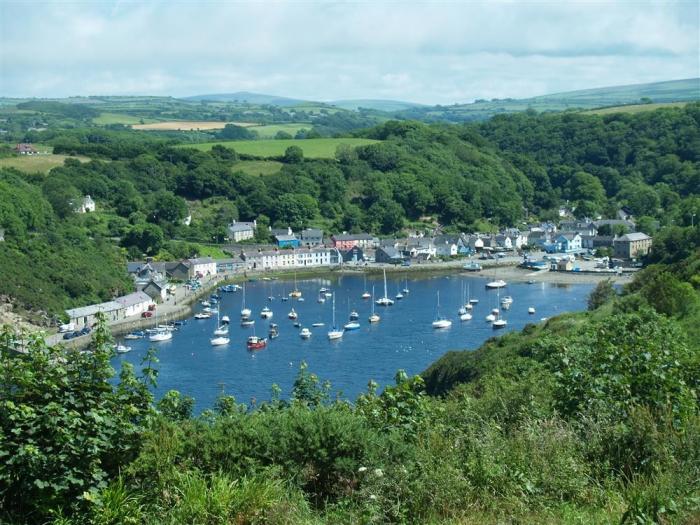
point(403, 339)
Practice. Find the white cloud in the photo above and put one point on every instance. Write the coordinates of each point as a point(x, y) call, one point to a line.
point(426, 52)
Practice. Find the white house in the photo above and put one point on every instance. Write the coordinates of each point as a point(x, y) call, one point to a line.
point(203, 266)
point(134, 303)
point(86, 205)
point(87, 315)
point(302, 257)
point(446, 246)
point(240, 231)
point(504, 241)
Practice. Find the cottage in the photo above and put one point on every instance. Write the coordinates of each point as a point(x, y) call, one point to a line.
point(565, 242)
point(240, 231)
point(632, 245)
point(504, 242)
point(157, 291)
point(87, 315)
point(25, 149)
point(615, 224)
point(388, 255)
point(344, 241)
point(86, 205)
point(583, 227)
point(446, 246)
point(287, 241)
point(182, 271)
point(302, 257)
point(203, 266)
point(311, 237)
point(565, 265)
point(134, 303)
point(539, 239)
point(353, 255)
point(144, 272)
point(230, 265)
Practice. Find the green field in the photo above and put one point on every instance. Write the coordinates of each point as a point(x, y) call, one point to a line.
point(270, 130)
point(257, 167)
point(313, 148)
point(119, 118)
point(36, 163)
point(637, 108)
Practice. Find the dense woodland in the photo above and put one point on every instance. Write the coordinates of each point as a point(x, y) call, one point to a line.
point(587, 418)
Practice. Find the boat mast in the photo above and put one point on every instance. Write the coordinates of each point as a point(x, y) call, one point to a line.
point(386, 294)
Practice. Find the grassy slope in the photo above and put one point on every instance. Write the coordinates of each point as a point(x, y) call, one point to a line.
point(270, 130)
point(36, 163)
point(257, 167)
point(119, 118)
point(313, 148)
point(636, 108)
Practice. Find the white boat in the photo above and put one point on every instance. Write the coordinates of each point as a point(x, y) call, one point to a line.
point(134, 335)
point(219, 341)
point(247, 321)
point(160, 335)
point(466, 316)
point(121, 349)
point(296, 293)
point(468, 305)
point(354, 316)
point(205, 303)
point(292, 314)
point(245, 312)
point(321, 299)
point(495, 311)
point(221, 329)
point(506, 302)
point(305, 333)
point(202, 315)
point(316, 325)
point(373, 318)
point(385, 301)
point(301, 299)
point(499, 283)
point(406, 291)
point(399, 296)
point(440, 322)
point(499, 323)
point(473, 301)
point(334, 333)
point(531, 310)
point(225, 319)
point(266, 313)
point(490, 318)
point(352, 325)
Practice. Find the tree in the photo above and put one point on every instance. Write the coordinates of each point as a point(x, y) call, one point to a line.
point(283, 135)
point(62, 195)
point(293, 155)
point(167, 207)
point(233, 132)
point(148, 238)
point(295, 210)
point(601, 294)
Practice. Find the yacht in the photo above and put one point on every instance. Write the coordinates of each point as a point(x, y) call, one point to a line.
point(305, 333)
point(160, 335)
point(499, 323)
point(385, 301)
point(334, 333)
point(121, 349)
point(273, 333)
point(202, 315)
point(531, 310)
point(266, 313)
point(219, 341)
point(245, 312)
point(225, 319)
point(354, 316)
point(245, 321)
point(373, 318)
point(352, 325)
point(440, 322)
point(499, 283)
point(292, 314)
point(135, 335)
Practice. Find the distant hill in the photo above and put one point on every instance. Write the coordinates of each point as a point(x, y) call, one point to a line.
point(657, 92)
point(247, 97)
point(376, 104)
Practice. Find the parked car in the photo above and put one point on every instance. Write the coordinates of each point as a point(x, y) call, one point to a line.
point(70, 327)
point(85, 330)
point(70, 335)
point(406, 263)
point(147, 314)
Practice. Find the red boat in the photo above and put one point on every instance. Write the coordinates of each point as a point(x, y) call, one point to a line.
point(256, 343)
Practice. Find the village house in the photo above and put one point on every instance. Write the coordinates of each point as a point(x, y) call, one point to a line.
point(615, 224)
point(87, 315)
point(632, 245)
point(182, 271)
point(353, 255)
point(287, 241)
point(157, 291)
point(539, 239)
point(135, 303)
point(241, 231)
point(302, 257)
point(421, 247)
point(504, 242)
point(345, 241)
point(230, 265)
point(311, 237)
point(582, 227)
point(25, 149)
point(203, 266)
point(144, 272)
point(446, 245)
point(388, 255)
point(565, 242)
point(86, 205)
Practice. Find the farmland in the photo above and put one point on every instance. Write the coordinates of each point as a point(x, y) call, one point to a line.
point(36, 163)
point(270, 130)
point(636, 108)
point(313, 148)
point(188, 125)
point(105, 119)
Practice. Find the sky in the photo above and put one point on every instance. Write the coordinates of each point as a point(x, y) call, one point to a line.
point(426, 52)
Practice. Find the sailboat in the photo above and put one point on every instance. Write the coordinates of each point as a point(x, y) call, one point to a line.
point(292, 314)
point(464, 314)
point(160, 333)
point(245, 312)
point(385, 301)
point(220, 340)
point(296, 293)
point(399, 295)
point(334, 333)
point(221, 328)
point(373, 318)
point(440, 322)
point(305, 333)
point(366, 294)
point(468, 304)
point(495, 312)
point(266, 313)
point(406, 291)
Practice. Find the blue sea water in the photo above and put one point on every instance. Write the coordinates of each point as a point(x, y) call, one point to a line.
point(403, 339)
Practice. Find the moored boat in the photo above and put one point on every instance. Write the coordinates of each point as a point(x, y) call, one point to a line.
point(305, 333)
point(256, 343)
point(498, 283)
point(220, 341)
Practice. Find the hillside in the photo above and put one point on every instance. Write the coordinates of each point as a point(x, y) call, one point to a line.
point(246, 97)
point(659, 92)
point(388, 106)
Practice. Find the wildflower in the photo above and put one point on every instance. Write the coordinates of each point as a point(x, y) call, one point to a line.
point(378, 472)
point(362, 469)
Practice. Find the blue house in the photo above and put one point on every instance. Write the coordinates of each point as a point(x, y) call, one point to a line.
point(565, 242)
point(287, 241)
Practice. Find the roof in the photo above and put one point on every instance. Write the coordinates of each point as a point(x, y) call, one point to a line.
point(353, 237)
point(241, 226)
point(568, 235)
point(92, 309)
point(133, 298)
point(637, 236)
point(154, 283)
point(286, 237)
point(202, 260)
point(391, 252)
point(311, 232)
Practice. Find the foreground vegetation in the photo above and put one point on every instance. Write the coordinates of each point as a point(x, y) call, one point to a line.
point(589, 418)
point(312, 148)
